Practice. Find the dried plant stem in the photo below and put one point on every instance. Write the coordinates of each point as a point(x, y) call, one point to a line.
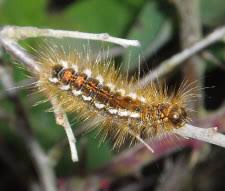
point(19, 53)
point(12, 47)
point(170, 64)
point(209, 135)
point(61, 119)
point(43, 164)
point(19, 33)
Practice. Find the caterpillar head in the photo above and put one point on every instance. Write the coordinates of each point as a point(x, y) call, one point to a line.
point(174, 114)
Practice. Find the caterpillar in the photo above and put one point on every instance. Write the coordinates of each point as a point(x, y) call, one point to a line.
point(97, 91)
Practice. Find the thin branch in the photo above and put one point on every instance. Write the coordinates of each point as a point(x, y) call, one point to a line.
point(61, 119)
point(43, 164)
point(19, 33)
point(19, 53)
point(190, 33)
point(209, 135)
point(137, 156)
point(169, 65)
point(209, 56)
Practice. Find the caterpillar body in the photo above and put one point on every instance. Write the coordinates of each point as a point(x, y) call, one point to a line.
point(98, 91)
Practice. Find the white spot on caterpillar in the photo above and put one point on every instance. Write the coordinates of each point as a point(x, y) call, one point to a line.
point(134, 115)
point(142, 99)
point(132, 95)
point(86, 98)
point(65, 87)
point(99, 105)
point(87, 72)
point(64, 63)
point(111, 86)
point(121, 91)
point(53, 80)
point(100, 79)
point(75, 67)
point(123, 113)
point(76, 93)
point(112, 111)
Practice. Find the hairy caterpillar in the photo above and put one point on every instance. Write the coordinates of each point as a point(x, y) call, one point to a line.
point(97, 91)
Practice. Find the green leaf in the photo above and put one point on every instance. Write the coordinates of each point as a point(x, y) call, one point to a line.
point(152, 29)
point(97, 154)
point(212, 12)
point(26, 12)
point(95, 16)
